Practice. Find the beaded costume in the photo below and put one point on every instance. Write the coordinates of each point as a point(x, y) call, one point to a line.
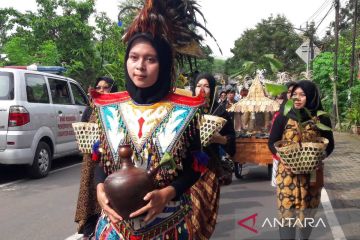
point(158, 124)
point(166, 128)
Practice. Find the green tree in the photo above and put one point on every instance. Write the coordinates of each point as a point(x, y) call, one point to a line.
point(347, 13)
point(218, 66)
point(48, 54)
point(110, 48)
point(266, 61)
point(274, 35)
point(7, 16)
point(18, 52)
point(323, 69)
point(70, 33)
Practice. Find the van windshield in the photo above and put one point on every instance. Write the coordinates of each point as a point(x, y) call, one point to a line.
point(6, 86)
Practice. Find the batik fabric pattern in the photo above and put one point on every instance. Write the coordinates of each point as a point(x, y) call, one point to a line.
point(296, 197)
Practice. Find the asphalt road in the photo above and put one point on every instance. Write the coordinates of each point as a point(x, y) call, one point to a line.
point(41, 209)
point(44, 209)
point(252, 202)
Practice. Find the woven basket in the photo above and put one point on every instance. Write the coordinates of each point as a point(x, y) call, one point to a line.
point(304, 159)
point(209, 125)
point(86, 135)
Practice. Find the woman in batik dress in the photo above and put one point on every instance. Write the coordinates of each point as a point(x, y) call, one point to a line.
point(87, 208)
point(297, 196)
point(205, 194)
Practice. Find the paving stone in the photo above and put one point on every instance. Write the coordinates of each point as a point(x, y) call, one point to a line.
point(342, 171)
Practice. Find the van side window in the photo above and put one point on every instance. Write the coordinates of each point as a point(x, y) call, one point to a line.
point(79, 97)
point(6, 86)
point(36, 89)
point(60, 93)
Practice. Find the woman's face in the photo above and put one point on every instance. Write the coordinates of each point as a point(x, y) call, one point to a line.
point(288, 94)
point(143, 64)
point(279, 99)
point(102, 87)
point(202, 85)
point(223, 96)
point(300, 98)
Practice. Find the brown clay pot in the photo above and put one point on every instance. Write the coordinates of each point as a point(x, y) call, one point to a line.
point(127, 187)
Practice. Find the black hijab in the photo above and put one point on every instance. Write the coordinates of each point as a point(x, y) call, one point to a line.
point(313, 101)
point(214, 107)
point(162, 87)
point(282, 105)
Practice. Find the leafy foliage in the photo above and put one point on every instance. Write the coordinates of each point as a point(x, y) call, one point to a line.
point(46, 37)
point(18, 51)
point(275, 89)
point(273, 35)
point(323, 68)
point(267, 61)
point(48, 54)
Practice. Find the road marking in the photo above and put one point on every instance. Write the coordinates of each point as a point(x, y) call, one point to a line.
point(76, 236)
point(51, 172)
point(336, 229)
point(11, 183)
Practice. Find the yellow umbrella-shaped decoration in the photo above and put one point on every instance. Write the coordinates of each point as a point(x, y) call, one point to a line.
point(255, 101)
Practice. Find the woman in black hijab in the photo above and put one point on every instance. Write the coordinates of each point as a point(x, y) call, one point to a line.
point(162, 87)
point(102, 85)
point(87, 208)
point(297, 196)
point(157, 124)
point(227, 133)
point(205, 193)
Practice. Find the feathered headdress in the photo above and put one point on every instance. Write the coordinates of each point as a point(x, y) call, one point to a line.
point(173, 20)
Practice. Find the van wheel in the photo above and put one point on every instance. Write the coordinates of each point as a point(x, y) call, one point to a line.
point(42, 161)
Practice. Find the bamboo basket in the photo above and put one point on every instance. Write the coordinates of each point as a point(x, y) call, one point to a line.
point(86, 135)
point(209, 125)
point(304, 159)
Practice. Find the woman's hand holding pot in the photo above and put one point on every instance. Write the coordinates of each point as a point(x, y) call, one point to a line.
point(104, 204)
point(157, 202)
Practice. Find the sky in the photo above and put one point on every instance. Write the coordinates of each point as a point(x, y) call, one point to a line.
point(228, 19)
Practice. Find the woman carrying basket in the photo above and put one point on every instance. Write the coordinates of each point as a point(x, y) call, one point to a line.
point(87, 208)
point(205, 194)
point(297, 195)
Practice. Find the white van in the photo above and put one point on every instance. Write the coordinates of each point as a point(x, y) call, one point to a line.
point(36, 113)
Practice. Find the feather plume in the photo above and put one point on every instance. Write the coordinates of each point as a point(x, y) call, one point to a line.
point(174, 20)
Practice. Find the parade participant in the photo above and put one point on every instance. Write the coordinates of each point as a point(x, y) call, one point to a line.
point(205, 193)
point(148, 97)
point(155, 122)
point(102, 85)
point(230, 97)
point(88, 210)
point(222, 96)
point(235, 116)
point(296, 195)
point(282, 98)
